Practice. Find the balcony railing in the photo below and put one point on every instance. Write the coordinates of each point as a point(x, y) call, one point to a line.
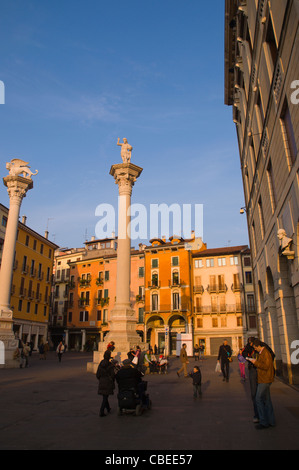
point(180, 307)
point(209, 309)
point(198, 289)
point(216, 288)
point(174, 283)
point(154, 284)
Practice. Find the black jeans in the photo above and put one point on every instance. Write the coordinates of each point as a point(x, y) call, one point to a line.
point(225, 369)
point(105, 404)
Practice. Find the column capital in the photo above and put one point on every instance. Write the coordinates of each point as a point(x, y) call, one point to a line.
point(17, 187)
point(125, 175)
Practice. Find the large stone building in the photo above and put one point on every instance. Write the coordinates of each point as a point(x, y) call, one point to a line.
point(261, 85)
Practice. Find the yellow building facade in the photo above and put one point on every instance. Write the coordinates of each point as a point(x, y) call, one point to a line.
point(31, 282)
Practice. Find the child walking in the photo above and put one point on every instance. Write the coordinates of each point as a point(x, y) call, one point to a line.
point(242, 362)
point(196, 376)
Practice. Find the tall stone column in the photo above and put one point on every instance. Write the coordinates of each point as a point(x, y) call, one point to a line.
point(123, 319)
point(17, 187)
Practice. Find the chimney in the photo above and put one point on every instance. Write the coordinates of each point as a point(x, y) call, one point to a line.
point(24, 218)
point(46, 234)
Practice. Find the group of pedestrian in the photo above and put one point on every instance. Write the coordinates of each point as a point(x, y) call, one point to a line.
point(128, 374)
point(22, 353)
point(260, 359)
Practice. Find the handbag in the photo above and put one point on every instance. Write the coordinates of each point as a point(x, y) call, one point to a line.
point(217, 368)
point(135, 360)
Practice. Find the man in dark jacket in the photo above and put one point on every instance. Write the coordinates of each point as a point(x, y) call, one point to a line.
point(224, 355)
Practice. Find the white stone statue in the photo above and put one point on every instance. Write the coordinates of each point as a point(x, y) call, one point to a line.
point(285, 243)
point(126, 150)
point(18, 167)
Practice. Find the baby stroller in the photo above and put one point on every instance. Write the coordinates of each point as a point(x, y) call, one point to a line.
point(134, 400)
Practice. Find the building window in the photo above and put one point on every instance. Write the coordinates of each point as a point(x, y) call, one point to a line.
point(199, 323)
point(223, 322)
point(70, 317)
point(176, 301)
point(106, 275)
point(270, 46)
point(175, 278)
point(234, 261)
point(99, 315)
point(288, 134)
point(250, 303)
point(239, 321)
point(141, 272)
point(155, 280)
point(105, 316)
point(154, 302)
point(252, 321)
point(198, 263)
point(175, 261)
point(215, 322)
point(28, 307)
point(155, 263)
point(4, 221)
point(141, 315)
point(83, 316)
point(20, 305)
point(221, 261)
point(247, 261)
point(210, 262)
point(261, 217)
point(248, 277)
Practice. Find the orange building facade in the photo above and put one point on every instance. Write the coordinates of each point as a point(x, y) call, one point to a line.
point(92, 293)
point(168, 291)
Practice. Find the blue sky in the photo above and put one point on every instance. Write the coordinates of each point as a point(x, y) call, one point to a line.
point(78, 75)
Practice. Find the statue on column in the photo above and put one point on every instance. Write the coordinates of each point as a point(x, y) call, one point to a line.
point(18, 167)
point(126, 150)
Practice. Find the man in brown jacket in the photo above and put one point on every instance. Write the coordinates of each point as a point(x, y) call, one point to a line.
point(184, 361)
point(265, 376)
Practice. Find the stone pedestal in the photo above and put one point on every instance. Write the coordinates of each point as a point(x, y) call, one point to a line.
point(17, 187)
point(123, 319)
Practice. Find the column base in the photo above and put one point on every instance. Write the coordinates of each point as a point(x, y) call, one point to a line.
point(123, 333)
point(8, 342)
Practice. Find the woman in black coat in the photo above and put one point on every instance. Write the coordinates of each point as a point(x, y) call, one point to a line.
point(105, 375)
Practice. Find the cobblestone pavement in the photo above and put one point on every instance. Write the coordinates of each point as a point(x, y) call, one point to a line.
point(55, 406)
